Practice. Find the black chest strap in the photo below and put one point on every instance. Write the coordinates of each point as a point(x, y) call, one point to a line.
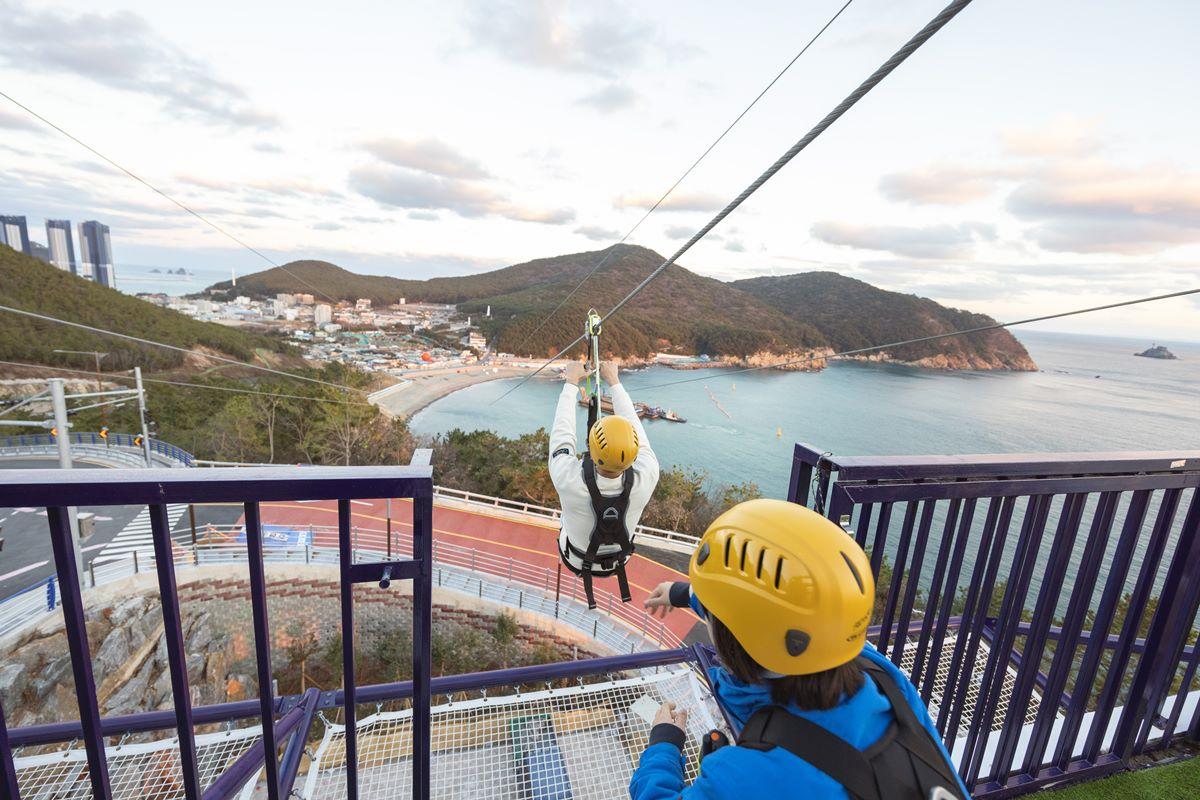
point(608, 529)
point(904, 763)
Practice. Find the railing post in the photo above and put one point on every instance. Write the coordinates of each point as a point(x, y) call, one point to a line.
point(176, 657)
point(135, 563)
point(422, 642)
point(50, 593)
point(350, 689)
point(262, 645)
point(81, 657)
point(8, 772)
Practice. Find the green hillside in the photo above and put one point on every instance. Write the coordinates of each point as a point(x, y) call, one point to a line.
point(853, 314)
point(32, 285)
point(679, 310)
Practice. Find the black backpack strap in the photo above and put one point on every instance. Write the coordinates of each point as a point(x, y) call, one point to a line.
point(772, 726)
point(912, 734)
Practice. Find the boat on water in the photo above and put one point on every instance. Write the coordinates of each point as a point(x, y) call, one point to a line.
point(644, 410)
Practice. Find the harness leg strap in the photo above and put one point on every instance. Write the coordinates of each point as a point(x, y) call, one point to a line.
point(587, 585)
point(623, 582)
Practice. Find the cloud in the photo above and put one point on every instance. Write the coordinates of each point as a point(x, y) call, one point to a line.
point(427, 216)
point(427, 155)
point(1090, 207)
point(735, 246)
point(1066, 135)
point(598, 234)
point(328, 226)
point(121, 51)
point(679, 231)
point(943, 184)
point(931, 241)
point(550, 34)
point(267, 147)
point(404, 188)
point(679, 201)
point(13, 121)
point(610, 98)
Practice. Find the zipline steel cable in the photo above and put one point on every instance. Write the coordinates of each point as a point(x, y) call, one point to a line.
point(910, 47)
point(936, 337)
point(186, 351)
point(117, 376)
point(612, 248)
point(160, 192)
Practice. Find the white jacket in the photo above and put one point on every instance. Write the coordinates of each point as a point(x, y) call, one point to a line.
point(567, 473)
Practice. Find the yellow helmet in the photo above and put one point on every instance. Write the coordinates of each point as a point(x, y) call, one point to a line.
point(613, 443)
point(791, 586)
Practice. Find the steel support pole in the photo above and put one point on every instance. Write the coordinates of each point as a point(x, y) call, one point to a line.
point(58, 400)
point(141, 398)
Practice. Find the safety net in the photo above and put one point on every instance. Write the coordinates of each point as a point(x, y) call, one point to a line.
point(136, 771)
point(581, 742)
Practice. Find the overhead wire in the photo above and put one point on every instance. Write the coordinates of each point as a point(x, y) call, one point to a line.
point(934, 337)
point(186, 351)
point(161, 193)
point(910, 47)
point(612, 248)
point(119, 377)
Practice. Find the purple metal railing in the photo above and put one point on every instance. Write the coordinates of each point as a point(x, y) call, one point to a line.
point(1018, 554)
point(56, 490)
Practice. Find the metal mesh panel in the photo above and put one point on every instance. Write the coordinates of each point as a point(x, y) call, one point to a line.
point(581, 742)
point(144, 771)
point(942, 674)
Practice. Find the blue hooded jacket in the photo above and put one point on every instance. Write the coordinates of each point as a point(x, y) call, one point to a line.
point(745, 774)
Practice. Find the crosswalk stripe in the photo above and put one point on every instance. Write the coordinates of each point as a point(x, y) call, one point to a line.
point(137, 536)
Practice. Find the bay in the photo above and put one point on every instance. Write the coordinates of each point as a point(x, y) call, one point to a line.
point(1092, 394)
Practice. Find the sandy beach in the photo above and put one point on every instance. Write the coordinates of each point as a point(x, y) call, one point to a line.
point(417, 390)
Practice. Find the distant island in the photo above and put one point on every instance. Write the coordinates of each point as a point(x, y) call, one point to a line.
point(799, 319)
point(1158, 351)
point(180, 271)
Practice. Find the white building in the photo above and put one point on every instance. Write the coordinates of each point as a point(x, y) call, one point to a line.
point(322, 314)
point(362, 304)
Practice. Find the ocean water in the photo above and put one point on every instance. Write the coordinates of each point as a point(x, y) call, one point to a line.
point(1092, 394)
point(136, 278)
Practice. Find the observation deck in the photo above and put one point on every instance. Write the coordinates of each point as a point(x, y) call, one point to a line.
point(1008, 583)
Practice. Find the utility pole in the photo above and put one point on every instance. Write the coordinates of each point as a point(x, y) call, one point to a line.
point(58, 399)
point(141, 394)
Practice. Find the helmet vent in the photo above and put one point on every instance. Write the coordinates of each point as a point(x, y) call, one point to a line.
point(779, 572)
point(728, 543)
point(622, 456)
point(761, 555)
point(858, 578)
point(742, 562)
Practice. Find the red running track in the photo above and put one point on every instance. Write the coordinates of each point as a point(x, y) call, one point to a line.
point(530, 543)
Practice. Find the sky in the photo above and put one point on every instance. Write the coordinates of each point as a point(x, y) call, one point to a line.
point(1033, 157)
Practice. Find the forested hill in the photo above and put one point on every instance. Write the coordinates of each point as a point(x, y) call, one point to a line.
point(680, 310)
point(852, 314)
point(33, 285)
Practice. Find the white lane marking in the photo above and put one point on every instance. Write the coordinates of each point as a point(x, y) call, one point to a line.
point(137, 536)
point(22, 570)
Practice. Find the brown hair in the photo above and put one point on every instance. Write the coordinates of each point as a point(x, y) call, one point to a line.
point(816, 692)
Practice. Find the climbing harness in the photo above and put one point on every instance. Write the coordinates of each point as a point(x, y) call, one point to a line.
point(609, 529)
point(905, 763)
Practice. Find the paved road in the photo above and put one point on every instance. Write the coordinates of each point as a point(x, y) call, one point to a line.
point(27, 559)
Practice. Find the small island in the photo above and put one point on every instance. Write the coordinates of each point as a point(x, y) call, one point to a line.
point(1158, 351)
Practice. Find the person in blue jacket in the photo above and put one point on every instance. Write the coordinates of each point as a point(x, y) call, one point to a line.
point(788, 597)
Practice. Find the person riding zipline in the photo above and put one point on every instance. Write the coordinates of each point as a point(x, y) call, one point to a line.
point(788, 596)
point(602, 496)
